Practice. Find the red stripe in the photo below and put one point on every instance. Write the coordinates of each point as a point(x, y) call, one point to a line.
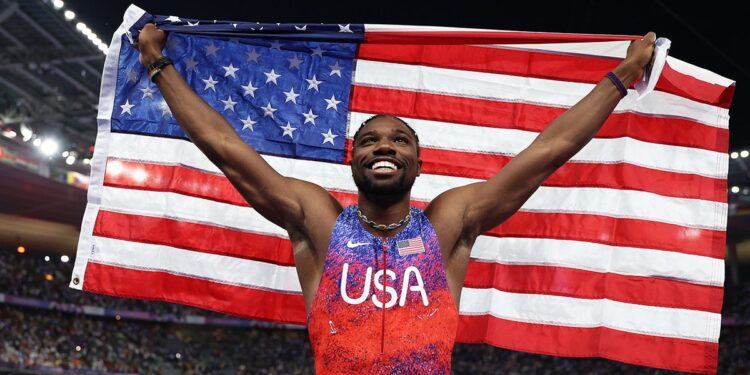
point(537, 64)
point(613, 231)
point(162, 286)
point(518, 278)
point(194, 236)
point(485, 37)
point(532, 117)
point(653, 351)
point(622, 176)
point(581, 227)
point(577, 283)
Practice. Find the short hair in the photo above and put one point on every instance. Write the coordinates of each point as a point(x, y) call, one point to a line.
point(375, 117)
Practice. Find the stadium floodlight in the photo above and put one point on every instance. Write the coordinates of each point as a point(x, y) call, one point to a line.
point(26, 132)
point(78, 348)
point(37, 142)
point(70, 160)
point(69, 15)
point(734, 155)
point(735, 189)
point(21, 249)
point(65, 154)
point(64, 258)
point(58, 4)
point(86, 161)
point(744, 153)
point(46, 258)
point(9, 133)
point(49, 146)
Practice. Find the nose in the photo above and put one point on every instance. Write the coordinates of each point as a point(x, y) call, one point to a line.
point(384, 147)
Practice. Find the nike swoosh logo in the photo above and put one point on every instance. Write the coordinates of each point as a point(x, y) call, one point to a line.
point(352, 245)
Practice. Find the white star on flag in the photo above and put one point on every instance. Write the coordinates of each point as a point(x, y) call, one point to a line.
point(229, 103)
point(328, 137)
point(210, 83)
point(211, 49)
point(294, 62)
point(173, 19)
point(248, 123)
point(249, 89)
point(148, 92)
point(276, 45)
point(268, 110)
point(291, 96)
point(190, 64)
point(126, 107)
point(288, 130)
point(332, 103)
point(345, 28)
point(132, 75)
point(253, 56)
point(313, 83)
point(165, 111)
point(309, 117)
point(193, 24)
point(229, 70)
point(317, 51)
point(336, 69)
point(298, 28)
point(271, 76)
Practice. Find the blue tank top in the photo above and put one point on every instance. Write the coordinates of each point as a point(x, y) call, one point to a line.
point(351, 332)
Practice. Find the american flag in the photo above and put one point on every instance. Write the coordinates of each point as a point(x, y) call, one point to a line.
point(410, 246)
point(619, 254)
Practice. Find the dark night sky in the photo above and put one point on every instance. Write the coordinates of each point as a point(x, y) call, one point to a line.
point(710, 37)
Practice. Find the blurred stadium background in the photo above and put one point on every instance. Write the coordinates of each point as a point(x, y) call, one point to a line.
point(51, 56)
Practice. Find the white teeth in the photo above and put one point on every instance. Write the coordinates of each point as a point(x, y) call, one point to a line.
point(384, 164)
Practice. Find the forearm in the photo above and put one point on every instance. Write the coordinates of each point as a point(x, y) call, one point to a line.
point(572, 130)
point(207, 128)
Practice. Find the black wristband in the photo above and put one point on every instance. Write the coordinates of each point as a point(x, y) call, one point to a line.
point(156, 68)
point(616, 81)
point(160, 63)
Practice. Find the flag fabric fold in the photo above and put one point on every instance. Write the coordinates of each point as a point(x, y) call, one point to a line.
point(618, 255)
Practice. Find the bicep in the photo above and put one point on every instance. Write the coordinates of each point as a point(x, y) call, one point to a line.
point(502, 195)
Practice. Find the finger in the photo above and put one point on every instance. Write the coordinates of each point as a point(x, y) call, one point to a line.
point(650, 37)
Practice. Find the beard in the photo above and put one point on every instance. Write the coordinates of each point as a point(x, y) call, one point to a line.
point(373, 188)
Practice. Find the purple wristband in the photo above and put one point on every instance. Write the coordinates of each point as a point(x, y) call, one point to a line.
point(620, 87)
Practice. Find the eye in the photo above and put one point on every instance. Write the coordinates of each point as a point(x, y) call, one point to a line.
point(400, 139)
point(367, 140)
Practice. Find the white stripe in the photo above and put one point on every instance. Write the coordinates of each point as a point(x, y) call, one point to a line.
point(596, 257)
point(698, 72)
point(223, 269)
point(416, 28)
point(615, 48)
point(610, 202)
point(525, 89)
point(589, 313)
point(510, 142)
point(187, 208)
point(575, 254)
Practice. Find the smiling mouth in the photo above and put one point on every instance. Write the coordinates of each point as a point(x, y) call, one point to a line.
point(384, 165)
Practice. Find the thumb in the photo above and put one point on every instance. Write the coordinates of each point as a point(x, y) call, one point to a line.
point(650, 37)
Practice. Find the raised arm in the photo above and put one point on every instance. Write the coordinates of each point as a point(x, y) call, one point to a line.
point(277, 198)
point(470, 210)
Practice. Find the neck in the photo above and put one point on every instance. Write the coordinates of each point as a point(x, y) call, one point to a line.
point(384, 210)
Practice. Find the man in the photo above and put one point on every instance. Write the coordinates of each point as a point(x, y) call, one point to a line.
point(381, 281)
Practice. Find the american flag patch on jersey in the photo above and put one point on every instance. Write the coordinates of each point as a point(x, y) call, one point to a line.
point(410, 246)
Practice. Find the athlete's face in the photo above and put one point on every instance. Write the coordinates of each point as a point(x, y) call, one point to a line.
point(384, 158)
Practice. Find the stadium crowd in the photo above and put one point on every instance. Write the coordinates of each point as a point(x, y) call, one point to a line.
point(53, 341)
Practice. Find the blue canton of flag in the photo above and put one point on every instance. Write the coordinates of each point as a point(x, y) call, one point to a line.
point(283, 97)
point(410, 246)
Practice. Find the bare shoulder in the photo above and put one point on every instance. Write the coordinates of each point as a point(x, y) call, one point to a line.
point(447, 213)
point(319, 211)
